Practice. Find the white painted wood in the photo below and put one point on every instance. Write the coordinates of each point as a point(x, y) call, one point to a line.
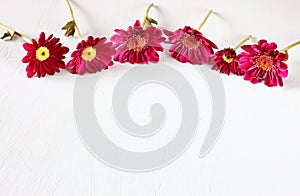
point(40, 150)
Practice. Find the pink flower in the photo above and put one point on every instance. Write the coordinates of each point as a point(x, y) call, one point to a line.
point(262, 62)
point(44, 56)
point(138, 44)
point(225, 62)
point(189, 45)
point(91, 56)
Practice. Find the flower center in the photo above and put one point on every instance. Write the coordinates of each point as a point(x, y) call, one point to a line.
point(190, 41)
point(136, 43)
point(265, 62)
point(226, 59)
point(42, 53)
point(88, 54)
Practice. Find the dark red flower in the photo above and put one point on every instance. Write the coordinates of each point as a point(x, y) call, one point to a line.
point(45, 56)
point(138, 44)
point(225, 62)
point(263, 62)
point(189, 45)
point(91, 56)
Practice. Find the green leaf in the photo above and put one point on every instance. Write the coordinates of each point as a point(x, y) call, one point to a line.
point(152, 21)
point(8, 34)
point(287, 58)
point(70, 28)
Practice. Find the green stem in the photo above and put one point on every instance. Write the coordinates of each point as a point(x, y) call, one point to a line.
point(146, 14)
point(290, 46)
point(73, 18)
point(205, 19)
point(12, 32)
point(242, 42)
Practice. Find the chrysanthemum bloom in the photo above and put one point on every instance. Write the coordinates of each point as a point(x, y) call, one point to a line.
point(137, 44)
point(225, 62)
point(189, 45)
point(263, 62)
point(91, 56)
point(45, 56)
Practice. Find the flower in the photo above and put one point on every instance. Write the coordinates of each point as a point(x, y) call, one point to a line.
point(91, 56)
point(189, 45)
point(262, 62)
point(225, 62)
point(138, 44)
point(45, 56)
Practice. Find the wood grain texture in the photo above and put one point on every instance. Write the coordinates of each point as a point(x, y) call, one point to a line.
point(42, 154)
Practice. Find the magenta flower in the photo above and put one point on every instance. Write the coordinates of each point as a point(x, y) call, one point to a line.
point(138, 44)
point(225, 62)
point(189, 45)
point(91, 56)
point(44, 56)
point(263, 62)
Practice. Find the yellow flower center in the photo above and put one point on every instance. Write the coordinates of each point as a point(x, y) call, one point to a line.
point(190, 41)
point(42, 53)
point(226, 59)
point(265, 62)
point(136, 43)
point(88, 54)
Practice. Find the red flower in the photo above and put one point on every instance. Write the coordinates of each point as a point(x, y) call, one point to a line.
point(225, 62)
point(138, 45)
point(189, 45)
point(45, 56)
point(262, 62)
point(91, 56)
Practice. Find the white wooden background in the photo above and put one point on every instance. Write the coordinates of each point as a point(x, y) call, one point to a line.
point(40, 150)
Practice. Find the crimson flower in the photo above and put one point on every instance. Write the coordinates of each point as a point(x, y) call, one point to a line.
point(137, 44)
point(263, 62)
point(44, 56)
point(189, 45)
point(225, 62)
point(91, 56)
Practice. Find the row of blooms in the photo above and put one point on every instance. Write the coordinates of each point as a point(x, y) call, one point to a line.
point(137, 45)
point(141, 43)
